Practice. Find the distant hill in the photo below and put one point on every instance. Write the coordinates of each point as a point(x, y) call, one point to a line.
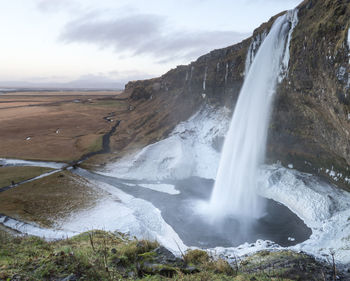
point(85, 84)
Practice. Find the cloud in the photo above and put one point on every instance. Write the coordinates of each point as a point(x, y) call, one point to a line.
point(128, 75)
point(56, 5)
point(145, 34)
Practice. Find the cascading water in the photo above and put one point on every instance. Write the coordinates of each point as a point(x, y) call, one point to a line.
point(244, 148)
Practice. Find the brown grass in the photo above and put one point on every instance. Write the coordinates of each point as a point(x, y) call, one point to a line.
point(49, 199)
point(39, 115)
point(18, 174)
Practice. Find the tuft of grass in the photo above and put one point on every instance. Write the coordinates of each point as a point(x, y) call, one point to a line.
point(133, 249)
point(222, 266)
point(196, 257)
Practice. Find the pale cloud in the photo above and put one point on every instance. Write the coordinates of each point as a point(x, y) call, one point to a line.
point(52, 6)
point(146, 34)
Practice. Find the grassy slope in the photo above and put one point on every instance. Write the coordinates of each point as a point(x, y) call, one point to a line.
point(99, 255)
point(48, 199)
point(18, 174)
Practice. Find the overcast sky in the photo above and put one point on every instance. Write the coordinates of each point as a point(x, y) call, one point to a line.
point(121, 40)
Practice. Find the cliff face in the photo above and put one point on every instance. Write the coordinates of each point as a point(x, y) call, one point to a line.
point(310, 123)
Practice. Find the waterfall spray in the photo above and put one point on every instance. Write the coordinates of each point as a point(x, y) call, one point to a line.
point(244, 148)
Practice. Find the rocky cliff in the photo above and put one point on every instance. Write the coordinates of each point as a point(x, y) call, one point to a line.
point(310, 124)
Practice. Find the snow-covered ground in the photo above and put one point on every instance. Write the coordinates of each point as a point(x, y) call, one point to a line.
point(188, 151)
point(36, 230)
point(125, 213)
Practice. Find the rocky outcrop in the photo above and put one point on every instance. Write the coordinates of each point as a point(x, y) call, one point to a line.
point(310, 123)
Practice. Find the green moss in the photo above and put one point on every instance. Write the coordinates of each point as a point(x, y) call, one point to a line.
point(96, 145)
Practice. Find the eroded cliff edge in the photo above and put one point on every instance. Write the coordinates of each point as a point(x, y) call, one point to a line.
point(310, 123)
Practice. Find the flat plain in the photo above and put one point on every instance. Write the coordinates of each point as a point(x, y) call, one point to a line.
point(56, 126)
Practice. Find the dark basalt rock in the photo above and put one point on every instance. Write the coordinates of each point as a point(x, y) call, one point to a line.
point(163, 256)
point(163, 262)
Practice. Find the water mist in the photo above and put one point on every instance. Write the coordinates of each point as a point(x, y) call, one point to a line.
point(234, 191)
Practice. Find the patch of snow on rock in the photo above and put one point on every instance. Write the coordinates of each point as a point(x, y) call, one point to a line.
point(309, 198)
point(188, 151)
point(323, 208)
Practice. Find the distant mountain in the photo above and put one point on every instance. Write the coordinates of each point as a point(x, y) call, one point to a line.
point(83, 83)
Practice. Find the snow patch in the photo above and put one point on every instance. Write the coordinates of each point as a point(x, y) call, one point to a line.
point(33, 229)
point(323, 208)
point(17, 162)
point(231, 253)
point(187, 152)
point(161, 187)
point(162, 160)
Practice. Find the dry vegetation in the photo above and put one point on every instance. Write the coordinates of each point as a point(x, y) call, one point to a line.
point(48, 199)
point(57, 126)
point(10, 175)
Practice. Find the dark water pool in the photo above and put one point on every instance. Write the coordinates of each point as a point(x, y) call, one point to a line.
point(279, 224)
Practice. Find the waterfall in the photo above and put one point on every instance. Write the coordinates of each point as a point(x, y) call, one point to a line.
point(244, 148)
point(205, 77)
point(226, 73)
point(252, 50)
